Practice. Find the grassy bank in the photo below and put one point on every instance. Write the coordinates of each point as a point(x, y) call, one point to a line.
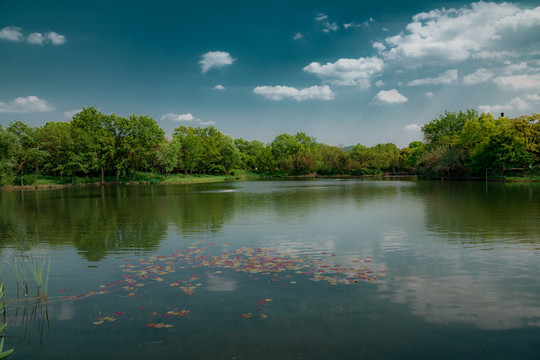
point(55, 182)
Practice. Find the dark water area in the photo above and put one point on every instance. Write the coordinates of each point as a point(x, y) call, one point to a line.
point(315, 269)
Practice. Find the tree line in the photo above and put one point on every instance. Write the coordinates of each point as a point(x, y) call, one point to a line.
point(457, 144)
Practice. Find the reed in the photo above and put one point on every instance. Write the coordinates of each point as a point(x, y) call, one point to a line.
point(30, 256)
point(3, 325)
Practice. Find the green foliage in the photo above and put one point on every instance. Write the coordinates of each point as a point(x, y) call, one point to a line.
point(502, 151)
point(8, 148)
point(96, 147)
point(465, 144)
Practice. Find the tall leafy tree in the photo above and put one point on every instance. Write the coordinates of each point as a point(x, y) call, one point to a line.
point(27, 151)
point(186, 142)
point(141, 137)
point(100, 133)
point(9, 144)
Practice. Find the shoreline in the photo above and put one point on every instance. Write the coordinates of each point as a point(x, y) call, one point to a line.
point(218, 179)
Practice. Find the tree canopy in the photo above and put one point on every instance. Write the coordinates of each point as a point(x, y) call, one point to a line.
point(456, 144)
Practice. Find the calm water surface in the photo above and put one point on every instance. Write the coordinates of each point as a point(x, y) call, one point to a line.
point(320, 269)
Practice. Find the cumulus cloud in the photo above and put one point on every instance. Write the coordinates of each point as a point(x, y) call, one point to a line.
point(479, 76)
point(281, 92)
point(379, 46)
point(513, 68)
point(519, 20)
point(215, 59)
point(11, 33)
point(379, 83)
point(413, 128)
point(69, 113)
point(533, 97)
point(55, 39)
point(447, 77)
point(326, 24)
point(514, 104)
point(186, 118)
point(459, 34)
point(429, 94)
point(493, 55)
point(298, 36)
point(25, 105)
point(35, 39)
point(348, 72)
point(219, 87)
point(390, 97)
point(516, 82)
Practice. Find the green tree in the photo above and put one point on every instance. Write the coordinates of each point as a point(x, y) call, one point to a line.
point(100, 133)
point(527, 129)
point(502, 151)
point(186, 144)
point(167, 157)
point(333, 160)
point(9, 144)
point(140, 138)
point(26, 151)
point(447, 128)
point(284, 146)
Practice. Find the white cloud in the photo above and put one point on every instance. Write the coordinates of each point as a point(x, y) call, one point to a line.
point(519, 20)
point(517, 82)
point(219, 87)
point(11, 33)
point(353, 24)
point(513, 68)
point(215, 59)
point(391, 97)
point(348, 72)
point(533, 97)
point(330, 27)
point(429, 94)
point(321, 17)
point(35, 39)
point(55, 39)
point(413, 128)
point(327, 25)
point(281, 92)
point(458, 34)
point(379, 46)
point(69, 114)
point(493, 55)
point(479, 76)
point(514, 104)
point(187, 118)
point(447, 77)
point(379, 83)
point(298, 36)
point(25, 105)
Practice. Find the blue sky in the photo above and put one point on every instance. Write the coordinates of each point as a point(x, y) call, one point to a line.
point(346, 72)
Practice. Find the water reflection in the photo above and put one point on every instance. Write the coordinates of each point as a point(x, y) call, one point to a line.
point(430, 236)
point(467, 299)
point(471, 213)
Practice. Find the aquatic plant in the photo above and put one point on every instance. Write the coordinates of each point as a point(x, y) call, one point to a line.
point(3, 325)
point(30, 255)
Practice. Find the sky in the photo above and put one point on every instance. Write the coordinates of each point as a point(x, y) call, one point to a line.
point(345, 72)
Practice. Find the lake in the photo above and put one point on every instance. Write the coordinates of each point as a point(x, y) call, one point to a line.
point(314, 269)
